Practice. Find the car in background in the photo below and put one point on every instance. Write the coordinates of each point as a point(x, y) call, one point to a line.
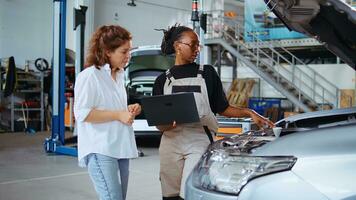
point(314, 156)
point(147, 62)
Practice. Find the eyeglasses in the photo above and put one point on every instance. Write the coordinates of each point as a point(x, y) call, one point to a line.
point(192, 46)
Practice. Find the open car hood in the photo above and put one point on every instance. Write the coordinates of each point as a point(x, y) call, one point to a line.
point(148, 61)
point(318, 119)
point(332, 22)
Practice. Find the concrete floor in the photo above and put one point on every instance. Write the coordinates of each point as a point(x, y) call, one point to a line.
point(28, 173)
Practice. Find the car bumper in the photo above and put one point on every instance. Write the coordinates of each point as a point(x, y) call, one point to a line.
point(141, 128)
point(284, 185)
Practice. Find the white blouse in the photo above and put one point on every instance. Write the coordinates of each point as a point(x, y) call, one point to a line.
point(95, 88)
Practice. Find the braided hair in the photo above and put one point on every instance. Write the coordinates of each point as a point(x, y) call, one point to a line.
point(171, 35)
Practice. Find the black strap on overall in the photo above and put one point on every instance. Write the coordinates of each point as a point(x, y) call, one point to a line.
point(208, 133)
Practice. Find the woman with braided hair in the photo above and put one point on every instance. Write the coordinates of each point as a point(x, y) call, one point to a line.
point(182, 145)
point(106, 139)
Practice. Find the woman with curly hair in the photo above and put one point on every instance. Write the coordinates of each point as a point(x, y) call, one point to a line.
point(106, 139)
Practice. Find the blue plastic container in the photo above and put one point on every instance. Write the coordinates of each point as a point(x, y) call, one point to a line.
point(261, 104)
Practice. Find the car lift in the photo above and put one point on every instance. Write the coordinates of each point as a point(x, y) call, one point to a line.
point(56, 143)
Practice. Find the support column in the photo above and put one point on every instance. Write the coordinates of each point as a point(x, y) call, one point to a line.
point(234, 69)
point(219, 59)
point(58, 74)
point(79, 27)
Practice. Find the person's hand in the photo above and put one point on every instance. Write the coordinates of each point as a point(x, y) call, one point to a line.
point(169, 127)
point(134, 108)
point(261, 121)
point(126, 117)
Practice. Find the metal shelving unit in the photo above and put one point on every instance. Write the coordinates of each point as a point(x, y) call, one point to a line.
point(3, 63)
point(34, 82)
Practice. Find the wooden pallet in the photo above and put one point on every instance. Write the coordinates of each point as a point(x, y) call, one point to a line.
point(239, 92)
point(347, 98)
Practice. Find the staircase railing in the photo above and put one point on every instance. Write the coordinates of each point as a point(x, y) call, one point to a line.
point(308, 82)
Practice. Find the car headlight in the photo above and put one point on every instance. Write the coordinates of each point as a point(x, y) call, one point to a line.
point(219, 170)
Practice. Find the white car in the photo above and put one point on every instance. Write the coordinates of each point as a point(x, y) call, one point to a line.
point(314, 157)
point(147, 62)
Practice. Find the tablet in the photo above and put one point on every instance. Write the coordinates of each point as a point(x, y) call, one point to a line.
point(164, 109)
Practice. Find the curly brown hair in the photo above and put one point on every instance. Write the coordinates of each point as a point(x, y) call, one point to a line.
point(105, 39)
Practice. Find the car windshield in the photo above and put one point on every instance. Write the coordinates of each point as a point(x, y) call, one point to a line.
point(150, 62)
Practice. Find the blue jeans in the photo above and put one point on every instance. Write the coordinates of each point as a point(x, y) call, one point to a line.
point(109, 175)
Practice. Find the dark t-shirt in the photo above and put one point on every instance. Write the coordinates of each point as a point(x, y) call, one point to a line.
point(217, 97)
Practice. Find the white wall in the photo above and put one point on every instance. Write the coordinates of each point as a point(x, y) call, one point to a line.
point(25, 29)
point(209, 5)
point(26, 26)
point(341, 75)
point(144, 18)
point(70, 34)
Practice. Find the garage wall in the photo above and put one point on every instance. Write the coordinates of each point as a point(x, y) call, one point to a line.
point(142, 19)
point(26, 29)
point(26, 26)
point(266, 90)
point(341, 75)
